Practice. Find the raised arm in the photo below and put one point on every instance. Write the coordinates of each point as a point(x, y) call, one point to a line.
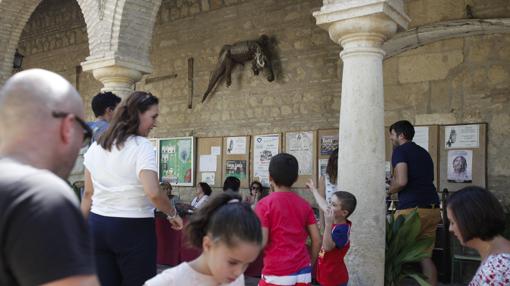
point(321, 201)
point(149, 180)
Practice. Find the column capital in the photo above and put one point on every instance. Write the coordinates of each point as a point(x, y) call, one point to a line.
point(375, 19)
point(117, 79)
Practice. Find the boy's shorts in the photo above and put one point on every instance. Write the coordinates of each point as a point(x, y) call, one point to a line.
point(301, 278)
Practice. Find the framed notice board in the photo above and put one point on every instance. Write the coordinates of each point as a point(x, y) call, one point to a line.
point(176, 158)
point(426, 136)
point(303, 145)
point(463, 154)
point(209, 161)
point(264, 147)
point(327, 141)
point(236, 159)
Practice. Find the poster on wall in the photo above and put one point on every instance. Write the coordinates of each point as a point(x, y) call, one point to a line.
point(421, 136)
point(460, 166)
point(328, 143)
point(300, 144)
point(462, 136)
point(236, 168)
point(236, 145)
point(176, 160)
point(323, 164)
point(265, 147)
point(208, 177)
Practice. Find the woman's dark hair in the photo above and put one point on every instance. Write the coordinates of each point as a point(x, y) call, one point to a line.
point(126, 119)
point(225, 218)
point(332, 167)
point(205, 188)
point(477, 212)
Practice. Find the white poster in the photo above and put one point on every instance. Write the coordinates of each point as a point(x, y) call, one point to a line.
point(265, 147)
point(300, 144)
point(323, 164)
point(236, 145)
point(460, 166)
point(208, 178)
point(215, 150)
point(421, 136)
point(462, 136)
point(207, 163)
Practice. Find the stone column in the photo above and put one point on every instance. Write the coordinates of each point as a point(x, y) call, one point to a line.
point(361, 27)
point(117, 77)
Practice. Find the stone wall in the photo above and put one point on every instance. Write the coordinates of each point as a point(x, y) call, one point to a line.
point(454, 81)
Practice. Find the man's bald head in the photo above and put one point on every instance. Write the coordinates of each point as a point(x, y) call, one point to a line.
point(28, 130)
point(28, 98)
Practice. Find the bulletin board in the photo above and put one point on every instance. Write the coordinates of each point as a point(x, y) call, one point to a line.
point(420, 137)
point(327, 141)
point(209, 161)
point(176, 157)
point(263, 148)
point(303, 145)
point(236, 159)
point(463, 153)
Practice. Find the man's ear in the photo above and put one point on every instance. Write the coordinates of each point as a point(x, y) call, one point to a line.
point(66, 129)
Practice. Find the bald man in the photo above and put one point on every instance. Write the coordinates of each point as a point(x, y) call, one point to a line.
point(43, 237)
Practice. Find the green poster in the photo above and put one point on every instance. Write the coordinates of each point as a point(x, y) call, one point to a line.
point(176, 160)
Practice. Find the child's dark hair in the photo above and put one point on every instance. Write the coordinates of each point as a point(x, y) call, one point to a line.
point(477, 212)
point(225, 218)
point(205, 188)
point(347, 200)
point(231, 183)
point(283, 168)
point(102, 101)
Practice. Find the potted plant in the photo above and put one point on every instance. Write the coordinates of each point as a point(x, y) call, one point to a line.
point(403, 248)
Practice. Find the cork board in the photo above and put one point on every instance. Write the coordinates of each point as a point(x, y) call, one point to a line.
point(236, 159)
point(432, 147)
point(470, 142)
point(207, 148)
point(327, 141)
point(263, 148)
point(303, 145)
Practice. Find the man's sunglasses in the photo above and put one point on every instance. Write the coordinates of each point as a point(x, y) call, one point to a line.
point(87, 132)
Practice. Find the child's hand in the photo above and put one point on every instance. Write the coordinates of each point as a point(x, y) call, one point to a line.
point(329, 216)
point(311, 185)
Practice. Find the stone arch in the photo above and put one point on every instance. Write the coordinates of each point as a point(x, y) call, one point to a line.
point(428, 34)
point(15, 14)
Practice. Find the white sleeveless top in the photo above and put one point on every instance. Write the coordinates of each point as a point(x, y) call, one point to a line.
point(329, 188)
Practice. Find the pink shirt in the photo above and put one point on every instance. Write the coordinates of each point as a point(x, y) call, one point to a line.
point(286, 216)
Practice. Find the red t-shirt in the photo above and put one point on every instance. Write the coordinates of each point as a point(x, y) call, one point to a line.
point(331, 269)
point(286, 216)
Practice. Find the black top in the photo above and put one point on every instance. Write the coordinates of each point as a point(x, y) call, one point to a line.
point(420, 189)
point(43, 236)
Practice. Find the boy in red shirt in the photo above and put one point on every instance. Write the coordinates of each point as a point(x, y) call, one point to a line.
point(287, 220)
point(331, 269)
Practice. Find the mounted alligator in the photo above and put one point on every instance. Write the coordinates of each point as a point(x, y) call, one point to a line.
point(256, 51)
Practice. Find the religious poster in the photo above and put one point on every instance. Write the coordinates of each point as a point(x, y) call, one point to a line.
point(323, 164)
point(176, 160)
point(265, 147)
point(421, 136)
point(460, 166)
point(462, 136)
point(236, 168)
point(300, 145)
point(236, 145)
point(328, 143)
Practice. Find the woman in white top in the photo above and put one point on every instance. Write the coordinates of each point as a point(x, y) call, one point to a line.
point(203, 192)
point(327, 183)
point(478, 221)
point(121, 191)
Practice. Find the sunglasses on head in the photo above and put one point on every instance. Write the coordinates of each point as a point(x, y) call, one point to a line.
point(87, 132)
